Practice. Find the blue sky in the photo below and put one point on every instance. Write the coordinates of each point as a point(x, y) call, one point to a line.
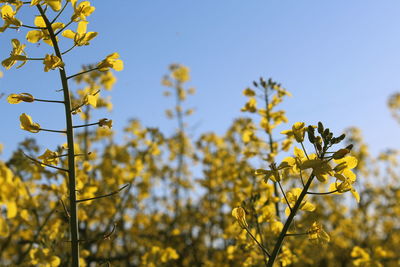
point(340, 59)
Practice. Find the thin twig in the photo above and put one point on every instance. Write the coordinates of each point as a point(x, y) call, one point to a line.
point(66, 51)
point(49, 101)
point(85, 125)
point(45, 164)
point(258, 243)
point(63, 28)
point(32, 27)
point(80, 73)
point(323, 193)
point(60, 12)
point(284, 195)
point(53, 131)
point(103, 196)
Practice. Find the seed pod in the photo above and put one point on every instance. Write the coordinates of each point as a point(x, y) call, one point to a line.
point(263, 83)
point(349, 147)
point(342, 137)
point(311, 135)
point(340, 153)
point(320, 127)
point(255, 83)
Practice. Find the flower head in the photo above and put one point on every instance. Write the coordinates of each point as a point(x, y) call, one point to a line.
point(8, 15)
point(316, 233)
point(27, 124)
point(52, 62)
point(80, 37)
point(49, 157)
point(298, 130)
point(111, 61)
point(81, 11)
point(17, 54)
point(105, 123)
point(54, 4)
point(240, 216)
point(18, 98)
point(42, 34)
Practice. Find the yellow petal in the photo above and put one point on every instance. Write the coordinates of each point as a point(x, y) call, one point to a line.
point(34, 36)
point(68, 34)
point(118, 65)
point(39, 22)
point(82, 27)
point(11, 210)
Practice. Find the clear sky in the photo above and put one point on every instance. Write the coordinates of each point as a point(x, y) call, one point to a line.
point(340, 59)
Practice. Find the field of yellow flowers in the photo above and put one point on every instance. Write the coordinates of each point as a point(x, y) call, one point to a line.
point(252, 196)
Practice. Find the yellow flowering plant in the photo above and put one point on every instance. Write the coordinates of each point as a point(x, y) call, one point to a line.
point(48, 30)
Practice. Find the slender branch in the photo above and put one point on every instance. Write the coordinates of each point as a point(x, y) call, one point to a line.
point(33, 27)
point(301, 177)
point(53, 131)
point(34, 58)
point(85, 125)
point(80, 73)
point(49, 101)
point(323, 193)
point(258, 243)
point(60, 12)
point(66, 51)
point(284, 195)
point(305, 151)
point(103, 196)
point(65, 208)
point(63, 28)
point(45, 164)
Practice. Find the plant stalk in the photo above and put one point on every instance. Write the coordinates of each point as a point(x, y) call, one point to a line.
point(71, 153)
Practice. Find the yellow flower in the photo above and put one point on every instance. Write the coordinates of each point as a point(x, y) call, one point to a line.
point(240, 216)
point(111, 61)
point(321, 168)
point(49, 157)
point(18, 98)
point(27, 124)
point(82, 10)
point(17, 54)
point(91, 99)
point(8, 15)
point(43, 257)
point(298, 130)
point(80, 37)
point(316, 233)
point(292, 197)
point(345, 178)
point(42, 34)
point(273, 174)
point(248, 92)
point(54, 4)
point(250, 106)
point(105, 122)
point(180, 73)
point(52, 62)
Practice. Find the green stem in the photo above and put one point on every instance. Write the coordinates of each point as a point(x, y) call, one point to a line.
point(71, 153)
point(271, 146)
point(288, 222)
